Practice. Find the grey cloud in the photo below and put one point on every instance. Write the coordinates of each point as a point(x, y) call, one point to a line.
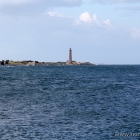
point(34, 7)
point(115, 1)
point(63, 2)
point(48, 3)
point(130, 8)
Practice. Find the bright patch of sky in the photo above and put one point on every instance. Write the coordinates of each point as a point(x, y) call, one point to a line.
point(99, 31)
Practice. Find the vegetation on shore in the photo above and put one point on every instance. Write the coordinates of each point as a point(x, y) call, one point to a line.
point(29, 63)
point(17, 63)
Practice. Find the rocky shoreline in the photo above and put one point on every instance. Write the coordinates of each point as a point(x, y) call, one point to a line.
point(36, 63)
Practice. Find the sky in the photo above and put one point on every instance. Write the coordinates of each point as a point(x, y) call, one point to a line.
point(98, 31)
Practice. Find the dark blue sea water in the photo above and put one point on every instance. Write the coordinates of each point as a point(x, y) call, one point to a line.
point(69, 102)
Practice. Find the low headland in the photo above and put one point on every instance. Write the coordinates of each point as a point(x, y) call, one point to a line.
point(34, 63)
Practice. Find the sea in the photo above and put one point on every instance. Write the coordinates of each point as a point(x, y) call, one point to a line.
point(95, 102)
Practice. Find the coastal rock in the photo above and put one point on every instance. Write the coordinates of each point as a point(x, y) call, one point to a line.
point(2, 62)
point(31, 63)
point(7, 62)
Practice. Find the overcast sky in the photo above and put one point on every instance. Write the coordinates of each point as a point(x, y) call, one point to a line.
point(98, 31)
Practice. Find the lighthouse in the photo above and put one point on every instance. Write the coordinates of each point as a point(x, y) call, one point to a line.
point(70, 56)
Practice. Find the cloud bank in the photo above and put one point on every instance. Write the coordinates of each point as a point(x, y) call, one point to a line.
point(115, 1)
point(34, 7)
point(16, 2)
point(46, 2)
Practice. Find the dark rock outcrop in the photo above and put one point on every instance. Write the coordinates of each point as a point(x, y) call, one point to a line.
point(2, 62)
point(7, 62)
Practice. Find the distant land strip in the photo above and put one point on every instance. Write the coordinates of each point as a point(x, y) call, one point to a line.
point(33, 63)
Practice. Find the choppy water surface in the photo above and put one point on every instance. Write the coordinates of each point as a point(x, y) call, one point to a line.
point(69, 102)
